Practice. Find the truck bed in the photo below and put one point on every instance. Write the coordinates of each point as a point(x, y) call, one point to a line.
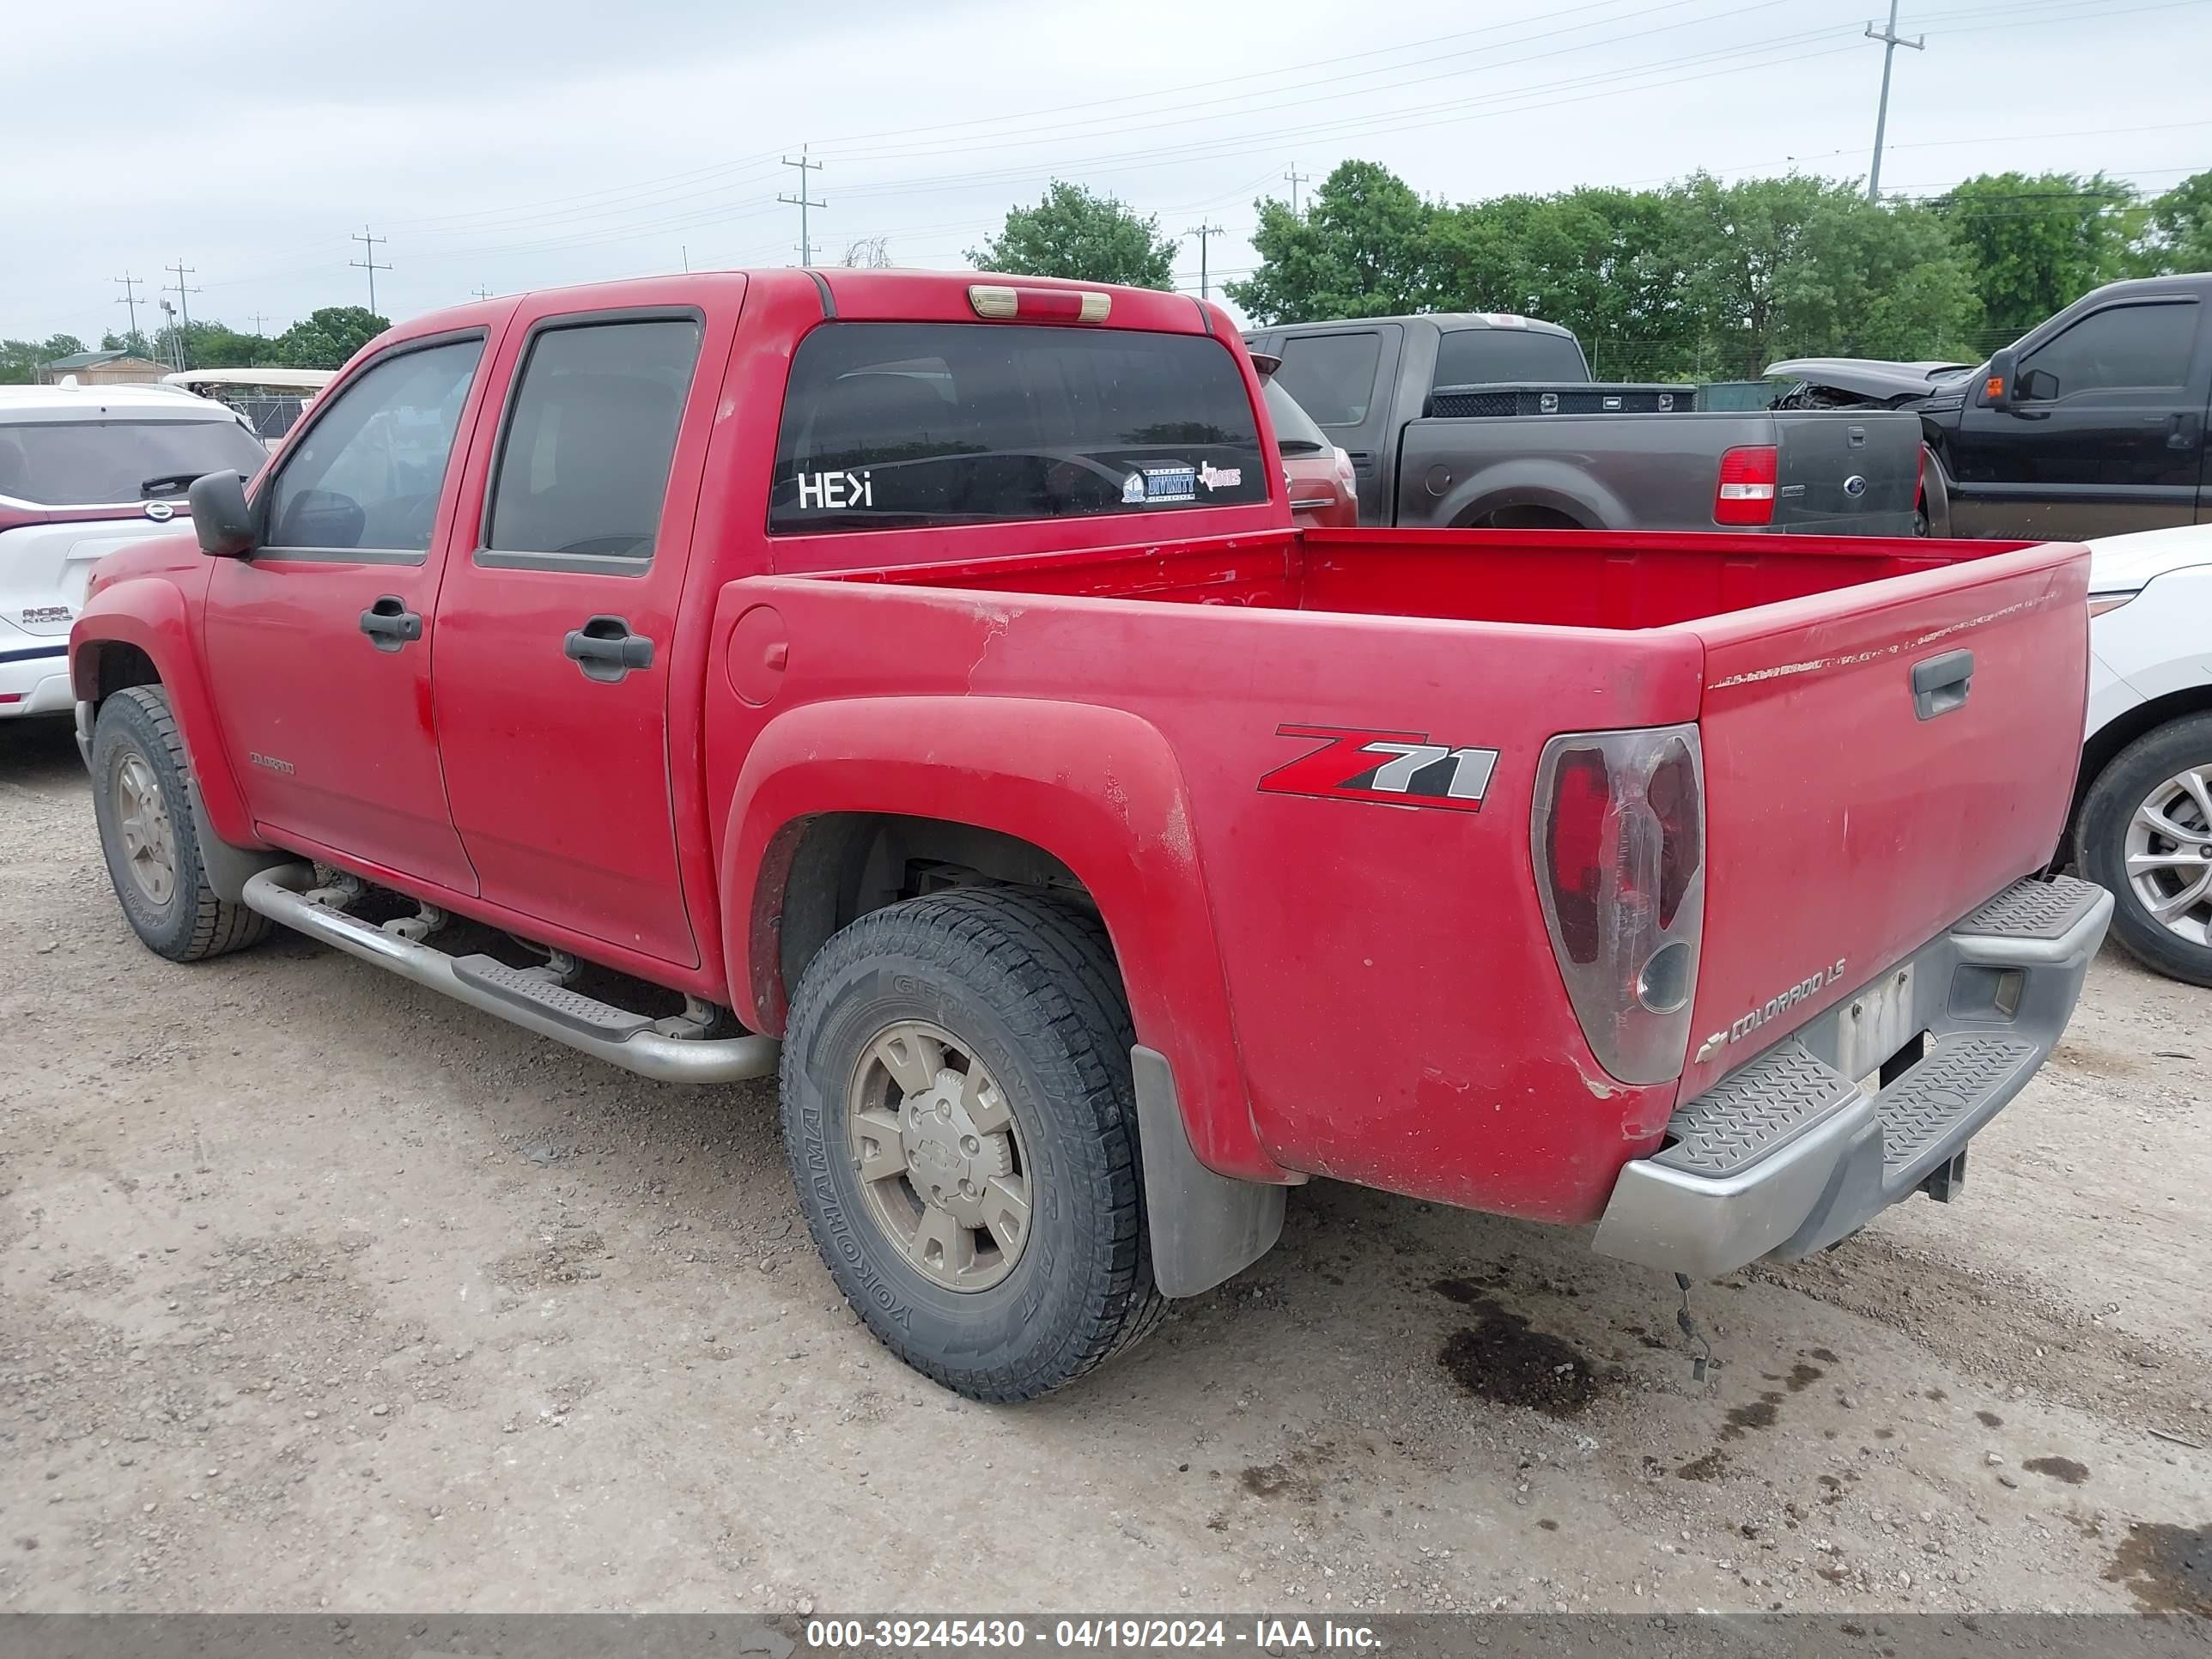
point(1844, 828)
point(1620, 579)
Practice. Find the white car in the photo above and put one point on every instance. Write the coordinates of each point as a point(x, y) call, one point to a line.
point(2143, 819)
point(83, 469)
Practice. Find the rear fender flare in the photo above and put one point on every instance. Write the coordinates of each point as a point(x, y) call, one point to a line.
point(1097, 788)
point(1530, 483)
point(150, 613)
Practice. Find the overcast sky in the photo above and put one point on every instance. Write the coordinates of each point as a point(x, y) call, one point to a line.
point(508, 145)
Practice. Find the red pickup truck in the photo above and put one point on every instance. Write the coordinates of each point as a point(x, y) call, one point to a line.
point(917, 682)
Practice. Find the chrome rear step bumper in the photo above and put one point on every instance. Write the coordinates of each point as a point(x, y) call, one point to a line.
point(614, 1035)
point(1786, 1154)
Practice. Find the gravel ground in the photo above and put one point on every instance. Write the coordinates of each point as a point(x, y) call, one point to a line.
point(317, 1290)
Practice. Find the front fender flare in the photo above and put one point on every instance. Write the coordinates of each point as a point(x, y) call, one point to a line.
point(149, 614)
point(1098, 789)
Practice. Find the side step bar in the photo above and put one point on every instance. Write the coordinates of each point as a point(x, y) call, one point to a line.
point(614, 1035)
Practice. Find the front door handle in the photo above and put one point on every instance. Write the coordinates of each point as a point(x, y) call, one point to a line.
point(390, 624)
point(606, 650)
point(1941, 684)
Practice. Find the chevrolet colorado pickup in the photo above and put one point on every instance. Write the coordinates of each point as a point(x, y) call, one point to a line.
point(2091, 424)
point(913, 686)
point(1475, 419)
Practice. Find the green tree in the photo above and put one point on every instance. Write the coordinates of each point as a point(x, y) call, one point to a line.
point(1804, 266)
point(1362, 248)
point(1077, 233)
point(21, 360)
point(326, 339)
point(2038, 242)
point(2177, 232)
point(132, 340)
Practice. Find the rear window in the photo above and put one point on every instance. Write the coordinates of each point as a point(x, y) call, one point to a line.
point(1332, 375)
point(891, 425)
point(98, 463)
point(1472, 356)
point(1295, 431)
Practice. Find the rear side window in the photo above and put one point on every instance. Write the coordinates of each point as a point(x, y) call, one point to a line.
point(893, 425)
point(104, 463)
point(1332, 375)
point(2145, 347)
point(1295, 432)
point(1472, 356)
point(583, 467)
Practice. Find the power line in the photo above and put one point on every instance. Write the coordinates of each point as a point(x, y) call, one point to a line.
point(181, 338)
point(130, 299)
point(801, 202)
point(1206, 234)
point(369, 243)
point(1891, 40)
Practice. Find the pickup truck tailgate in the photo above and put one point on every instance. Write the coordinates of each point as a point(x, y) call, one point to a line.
point(1878, 761)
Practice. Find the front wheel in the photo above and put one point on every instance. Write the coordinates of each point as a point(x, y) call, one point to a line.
point(141, 800)
point(961, 1123)
point(2146, 833)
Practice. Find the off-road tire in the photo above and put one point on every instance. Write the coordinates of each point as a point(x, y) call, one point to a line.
point(193, 924)
point(2100, 841)
point(1029, 984)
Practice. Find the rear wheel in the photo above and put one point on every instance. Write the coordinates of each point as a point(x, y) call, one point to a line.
point(141, 801)
point(2146, 833)
point(961, 1123)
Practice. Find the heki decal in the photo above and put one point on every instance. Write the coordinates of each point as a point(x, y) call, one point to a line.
point(1400, 768)
point(835, 489)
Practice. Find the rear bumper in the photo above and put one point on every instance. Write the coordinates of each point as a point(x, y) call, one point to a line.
point(1786, 1154)
point(34, 679)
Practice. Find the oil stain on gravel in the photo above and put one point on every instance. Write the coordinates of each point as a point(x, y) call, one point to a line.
point(2166, 1569)
point(1501, 1359)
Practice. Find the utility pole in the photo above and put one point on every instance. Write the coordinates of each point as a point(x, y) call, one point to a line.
point(1205, 233)
point(802, 202)
point(176, 340)
point(369, 263)
point(184, 307)
point(481, 292)
point(1891, 40)
point(1296, 178)
point(130, 299)
point(259, 318)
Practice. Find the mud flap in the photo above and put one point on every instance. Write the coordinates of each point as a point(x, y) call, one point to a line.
point(1205, 1227)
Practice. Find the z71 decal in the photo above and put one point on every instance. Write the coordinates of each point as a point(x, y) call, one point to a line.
point(1399, 768)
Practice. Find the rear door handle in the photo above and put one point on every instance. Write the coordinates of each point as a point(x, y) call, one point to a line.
point(390, 624)
point(1941, 684)
point(606, 650)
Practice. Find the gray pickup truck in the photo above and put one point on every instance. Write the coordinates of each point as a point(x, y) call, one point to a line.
point(1465, 419)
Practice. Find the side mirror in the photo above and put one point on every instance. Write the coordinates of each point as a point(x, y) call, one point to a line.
point(1998, 379)
point(2037, 386)
point(220, 516)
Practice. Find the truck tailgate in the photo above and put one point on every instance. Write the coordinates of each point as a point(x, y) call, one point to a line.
point(1850, 818)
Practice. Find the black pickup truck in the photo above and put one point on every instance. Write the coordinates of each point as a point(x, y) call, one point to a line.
point(1460, 419)
point(2092, 424)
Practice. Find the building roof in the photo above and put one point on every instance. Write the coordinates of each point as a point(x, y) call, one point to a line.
point(85, 360)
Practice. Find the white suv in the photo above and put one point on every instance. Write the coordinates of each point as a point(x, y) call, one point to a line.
point(84, 470)
point(2142, 825)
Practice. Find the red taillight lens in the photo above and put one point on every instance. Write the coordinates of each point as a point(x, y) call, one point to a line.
point(1746, 492)
point(1619, 848)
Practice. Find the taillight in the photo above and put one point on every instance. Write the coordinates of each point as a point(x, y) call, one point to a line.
point(1746, 492)
point(1620, 841)
point(1005, 302)
point(1345, 474)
